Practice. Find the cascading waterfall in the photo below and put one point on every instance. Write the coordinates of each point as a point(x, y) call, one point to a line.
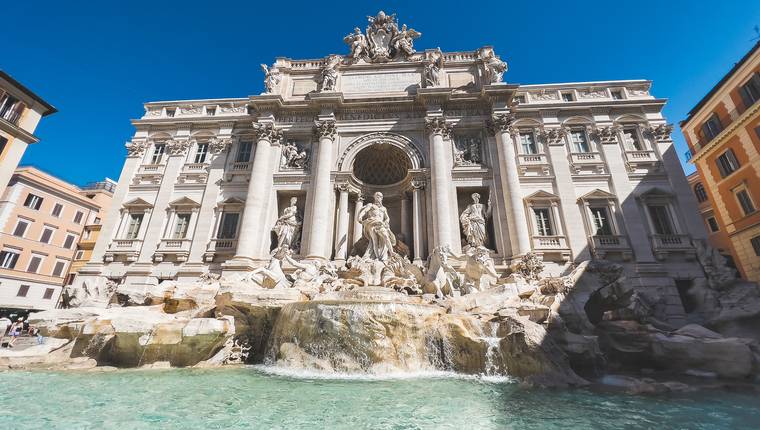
point(493, 356)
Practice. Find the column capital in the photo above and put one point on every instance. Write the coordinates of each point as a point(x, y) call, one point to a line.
point(501, 123)
point(417, 185)
point(343, 187)
point(606, 134)
point(178, 147)
point(218, 145)
point(136, 148)
point(268, 132)
point(553, 136)
point(325, 128)
point(438, 125)
point(661, 132)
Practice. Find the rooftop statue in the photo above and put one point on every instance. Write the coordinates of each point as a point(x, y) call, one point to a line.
point(272, 78)
point(383, 41)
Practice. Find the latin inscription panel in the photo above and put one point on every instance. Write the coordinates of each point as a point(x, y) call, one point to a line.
point(379, 82)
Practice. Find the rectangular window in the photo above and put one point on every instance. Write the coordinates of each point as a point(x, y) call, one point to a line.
point(34, 264)
point(158, 153)
point(47, 233)
point(568, 97)
point(78, 217)
point(244, 152)
point(601, 221)
point(180, 228)
point(69, 242)
point(8, 259)
point(20, 228)
point(79, 255)
point(713, 224)
point(632, 139)
point(96, 220)
point(755, 241)
point(170, 112)
point(727, 163)
point(22, 291)
point(616, 95)
point(712, 127)
point(750, 91)
point(543, 222)
point(33, 201)
point(228, 226)
point(745, 202)
point(579, 141)
point(528, 143)
point(48, 294)
point(660, 219)
point(200, 154)
point(58, 269)
point(133, 230)
point(210, 111)
point(57, 210)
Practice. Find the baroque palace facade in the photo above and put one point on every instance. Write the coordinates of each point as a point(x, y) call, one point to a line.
point(569, 171)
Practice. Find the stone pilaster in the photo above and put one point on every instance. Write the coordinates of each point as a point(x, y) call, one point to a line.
point(418, 221)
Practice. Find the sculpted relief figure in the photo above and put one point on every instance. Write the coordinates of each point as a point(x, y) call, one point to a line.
point(292, 158)
point(272, 78)
point(473, 221)
point(493, 67)
point(432, 70)
point(288, 227)
point(403, 41)
point(330, 74)
point(358, 43)
point(377, 230)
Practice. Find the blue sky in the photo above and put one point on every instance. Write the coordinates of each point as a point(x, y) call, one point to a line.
point(97, 62)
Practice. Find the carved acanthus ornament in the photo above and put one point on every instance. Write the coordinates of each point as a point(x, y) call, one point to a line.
point(136, 148)
point(501, 123)
point(266, 131)
point(218, 145)
point(660, 132)
point(438, 125)
point(553, 136)
point(325, 129)
point(606, 134)
point(177, 147)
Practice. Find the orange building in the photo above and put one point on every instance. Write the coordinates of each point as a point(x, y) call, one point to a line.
point(716, 236)
point(723, 133)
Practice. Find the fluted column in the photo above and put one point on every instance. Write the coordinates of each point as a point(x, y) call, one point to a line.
point(357, 222)
point(440, 180)
point(405, 218)
point(418, 225)
point(518, 224)
point(251, 229)
point(341, 232)
point(319, 243)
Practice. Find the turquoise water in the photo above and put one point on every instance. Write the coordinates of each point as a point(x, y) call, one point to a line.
point(249, 398)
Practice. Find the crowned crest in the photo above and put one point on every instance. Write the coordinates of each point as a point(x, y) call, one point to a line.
point(384, 41)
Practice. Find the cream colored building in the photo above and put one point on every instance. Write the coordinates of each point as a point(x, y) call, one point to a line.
point(20, 112)
point(41, 221)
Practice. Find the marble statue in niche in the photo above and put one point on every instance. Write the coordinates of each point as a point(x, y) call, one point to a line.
point(292, 157)
point(377, 230)
point(473, 221)
point(287, 228)
point(467, 151)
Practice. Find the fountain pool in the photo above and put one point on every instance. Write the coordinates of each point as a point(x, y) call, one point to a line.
point(258, 397)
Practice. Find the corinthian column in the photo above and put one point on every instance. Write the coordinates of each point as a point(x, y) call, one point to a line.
point(440, 181)
point(518, 224)
point(357, 223)
point(319, 243)
point(341, 233)
point(252, 231)
point(418, 225)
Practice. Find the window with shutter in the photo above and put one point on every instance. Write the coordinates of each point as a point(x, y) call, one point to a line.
point(20, 228)
point(58, 269)
point(180, 228)
point(543, 222)
point(133, 230)
point(660, 219)
point(750, 91)
point(34, 264)
point(228, 226)
point(601, 221)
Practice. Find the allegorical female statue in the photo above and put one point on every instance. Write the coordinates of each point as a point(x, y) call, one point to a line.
point(377, 230)
point(473, 221)
point(288, 227)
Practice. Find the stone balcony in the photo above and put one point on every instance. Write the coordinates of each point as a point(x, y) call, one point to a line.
point(193, 173)
point(149, 174)
point(665, 245)
point(177, 249)
point(533, 165)
point(641, 161)
point(127, 249)
point(238, 168)
point(219, 247)
point(605, 245)
point(551, 247)
point(587, 163)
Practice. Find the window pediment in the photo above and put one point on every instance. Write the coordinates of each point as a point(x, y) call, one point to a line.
point(597, 194)
point(542, 195)
point(137, 203)
point(184, 202)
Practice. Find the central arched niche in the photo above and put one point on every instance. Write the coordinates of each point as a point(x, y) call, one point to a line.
point(381, 164)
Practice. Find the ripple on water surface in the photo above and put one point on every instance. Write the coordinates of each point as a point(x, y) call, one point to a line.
point(272, 398)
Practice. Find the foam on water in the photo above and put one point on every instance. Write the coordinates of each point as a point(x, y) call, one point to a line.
point(300, 373)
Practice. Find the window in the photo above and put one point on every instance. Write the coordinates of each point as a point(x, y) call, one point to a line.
point(8, 259)
point(133, 230)
point(528, 143)
point(210, 111)
point(96, 220)
point(727, 163)
point(244, 152)
point(601, 220)
point(47, 233)
point(632, 139)
point(568, 97)
point(713, 224)
point(543, 222)
point(34, 264)
point(22, 291)
point(200, 154)
point(750, 91)
point(170, 112)
point(78, 217)
point(11, 108)
point(712, 127)
point(180, 228)
point(660, 219)
point(616, 95)
point(69, 242)
point(57, 210)
point(520, 99)
point(3, 143)
point(158, 153)
point(79, 255)
point(755, 241)
point(745, 201)
point(20, 228)
point(48, 294)
point(70, 278)
point(228, 226)
point(700, 193)
point(33, 201)
point(58, 269)
point(579, 141)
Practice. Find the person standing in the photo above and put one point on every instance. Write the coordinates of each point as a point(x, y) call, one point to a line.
point(5, 322)
point(15, 331)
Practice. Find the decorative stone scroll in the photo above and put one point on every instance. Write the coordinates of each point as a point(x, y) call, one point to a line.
point(177, 147)
point(268, 132)
point(438, 125)
point(136, 148)
point(553, 136)
point(605, 135)
point(218, 145)
point(661, 132)
point(325, 129)
point(500, 123)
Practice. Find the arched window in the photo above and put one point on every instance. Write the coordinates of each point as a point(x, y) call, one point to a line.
point(699, 191)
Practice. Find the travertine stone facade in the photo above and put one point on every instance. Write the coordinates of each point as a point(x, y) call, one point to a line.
point(571, 171)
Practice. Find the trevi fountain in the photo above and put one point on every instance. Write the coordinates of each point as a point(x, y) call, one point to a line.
point(396, 238)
